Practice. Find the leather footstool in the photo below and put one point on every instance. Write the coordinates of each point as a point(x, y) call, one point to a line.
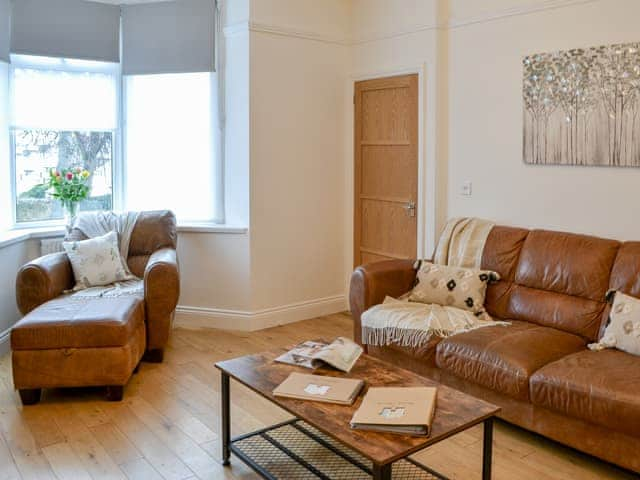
point(69, 342)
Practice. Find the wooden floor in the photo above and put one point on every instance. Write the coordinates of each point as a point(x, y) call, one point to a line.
point(167, 425)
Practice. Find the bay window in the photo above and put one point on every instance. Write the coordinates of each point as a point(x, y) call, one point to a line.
point(169, 142)
point(105, 88)
point(64, 115)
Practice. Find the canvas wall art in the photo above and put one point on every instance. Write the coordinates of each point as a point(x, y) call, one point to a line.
point(582, 107)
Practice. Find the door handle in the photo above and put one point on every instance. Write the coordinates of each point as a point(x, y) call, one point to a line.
point(410, 207)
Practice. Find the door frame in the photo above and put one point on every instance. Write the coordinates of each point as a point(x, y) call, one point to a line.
point(427, 167)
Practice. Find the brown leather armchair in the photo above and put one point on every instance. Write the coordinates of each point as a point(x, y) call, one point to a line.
point(152, 256)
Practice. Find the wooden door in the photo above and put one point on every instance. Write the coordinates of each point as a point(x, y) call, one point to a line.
point(386, 169)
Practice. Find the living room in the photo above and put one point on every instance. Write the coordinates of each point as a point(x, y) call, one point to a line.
point(258, 208)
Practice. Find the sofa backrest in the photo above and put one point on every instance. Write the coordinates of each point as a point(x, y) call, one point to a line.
point(154, 230)
point(558, 279)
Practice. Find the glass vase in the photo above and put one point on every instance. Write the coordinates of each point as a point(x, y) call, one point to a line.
point(70, 209)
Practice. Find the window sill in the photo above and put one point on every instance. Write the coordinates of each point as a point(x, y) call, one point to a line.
point(195, 227)
point(10, 237)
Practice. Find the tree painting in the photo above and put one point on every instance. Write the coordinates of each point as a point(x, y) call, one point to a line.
point(581, 107)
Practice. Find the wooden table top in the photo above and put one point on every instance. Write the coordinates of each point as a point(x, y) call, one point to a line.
point(455, 411)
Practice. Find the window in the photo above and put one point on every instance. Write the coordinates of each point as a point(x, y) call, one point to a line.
point(64, 115)
point(169, 144)
point(5, 171)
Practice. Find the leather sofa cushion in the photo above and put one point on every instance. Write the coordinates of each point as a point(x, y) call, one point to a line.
point(79, 323)
point(154, 230)
point(625, 275)
point(572, 314)
point(576, 265)
point(599, 387)
point(503, 358)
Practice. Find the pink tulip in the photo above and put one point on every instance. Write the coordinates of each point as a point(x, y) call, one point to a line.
point(69, 176)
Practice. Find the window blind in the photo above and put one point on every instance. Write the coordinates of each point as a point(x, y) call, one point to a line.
point(168, 37)
point(5, 29)
point(66, 29)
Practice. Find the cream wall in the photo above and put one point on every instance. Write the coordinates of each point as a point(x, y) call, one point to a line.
point(285, 91)
point(486, 125)
point(297, 173)
point(12, 257)
point(298, 72)
point(400, 37)
point(476, 102)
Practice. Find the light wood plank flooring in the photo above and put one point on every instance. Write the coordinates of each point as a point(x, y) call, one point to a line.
point(167, 426)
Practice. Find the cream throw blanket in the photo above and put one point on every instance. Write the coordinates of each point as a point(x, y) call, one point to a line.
point(412, 324)
point(462, 242)
point(96, 224)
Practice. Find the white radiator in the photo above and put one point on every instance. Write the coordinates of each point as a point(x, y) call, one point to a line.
point(51, 245)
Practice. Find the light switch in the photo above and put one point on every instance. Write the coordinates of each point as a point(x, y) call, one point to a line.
point(466, 189)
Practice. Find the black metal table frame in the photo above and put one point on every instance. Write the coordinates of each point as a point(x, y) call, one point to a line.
point(378, 472)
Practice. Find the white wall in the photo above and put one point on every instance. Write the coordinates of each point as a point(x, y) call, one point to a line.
point(12, 257)
point(486, 125)
point(395, 38)
point(297, 194)
point(477, 106)
point(297, 151)
point(284, 169)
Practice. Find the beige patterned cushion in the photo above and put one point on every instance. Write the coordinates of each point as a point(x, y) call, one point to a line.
point(452, 286)
point(623, 329)
point(96, 261)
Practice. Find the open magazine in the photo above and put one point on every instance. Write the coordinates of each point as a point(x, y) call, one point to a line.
point(342, 354)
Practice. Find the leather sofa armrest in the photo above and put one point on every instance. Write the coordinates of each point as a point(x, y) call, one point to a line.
point(161, 293)
point(371, 283)
point(43, 279)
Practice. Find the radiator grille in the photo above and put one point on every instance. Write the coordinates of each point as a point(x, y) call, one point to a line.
point(51, 245)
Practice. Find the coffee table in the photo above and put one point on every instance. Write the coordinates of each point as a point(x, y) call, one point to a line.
point(319, 443)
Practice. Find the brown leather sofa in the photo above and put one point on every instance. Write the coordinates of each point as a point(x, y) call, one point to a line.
point(64, 343)
point(539, 370)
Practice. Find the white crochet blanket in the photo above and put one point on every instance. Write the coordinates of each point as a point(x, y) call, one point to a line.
point(412, 324)
point(96, 224)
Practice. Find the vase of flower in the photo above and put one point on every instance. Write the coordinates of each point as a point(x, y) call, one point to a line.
point(70, 186)
point(70, 210)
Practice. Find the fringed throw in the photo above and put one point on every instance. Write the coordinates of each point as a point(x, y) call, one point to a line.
point(411, 324)
point(462, 242)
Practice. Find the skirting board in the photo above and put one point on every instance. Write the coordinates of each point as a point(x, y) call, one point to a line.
point(198, 317)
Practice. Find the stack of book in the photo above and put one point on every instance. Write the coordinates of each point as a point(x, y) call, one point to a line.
point(404, 410)
point(320, 388)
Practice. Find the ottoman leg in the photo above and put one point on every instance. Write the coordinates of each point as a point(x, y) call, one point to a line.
point(115, 393)
point(30, 396)
point(154, 356)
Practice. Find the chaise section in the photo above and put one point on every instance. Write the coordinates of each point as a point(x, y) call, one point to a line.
point(503, 358)
point(77, 343)
point(599, 387)
point(80, 323)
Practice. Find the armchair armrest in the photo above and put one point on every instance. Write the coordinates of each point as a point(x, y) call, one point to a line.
point(161, 292)
point(43, 279)
point(371, 283)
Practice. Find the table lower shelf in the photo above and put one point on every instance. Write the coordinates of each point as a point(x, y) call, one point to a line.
point(294, 450)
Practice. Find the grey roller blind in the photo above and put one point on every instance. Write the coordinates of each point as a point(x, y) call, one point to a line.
point(66, 28)
point(5, 29)
point(168, 37)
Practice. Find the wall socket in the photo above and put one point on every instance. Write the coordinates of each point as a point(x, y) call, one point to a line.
point(465, 189)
